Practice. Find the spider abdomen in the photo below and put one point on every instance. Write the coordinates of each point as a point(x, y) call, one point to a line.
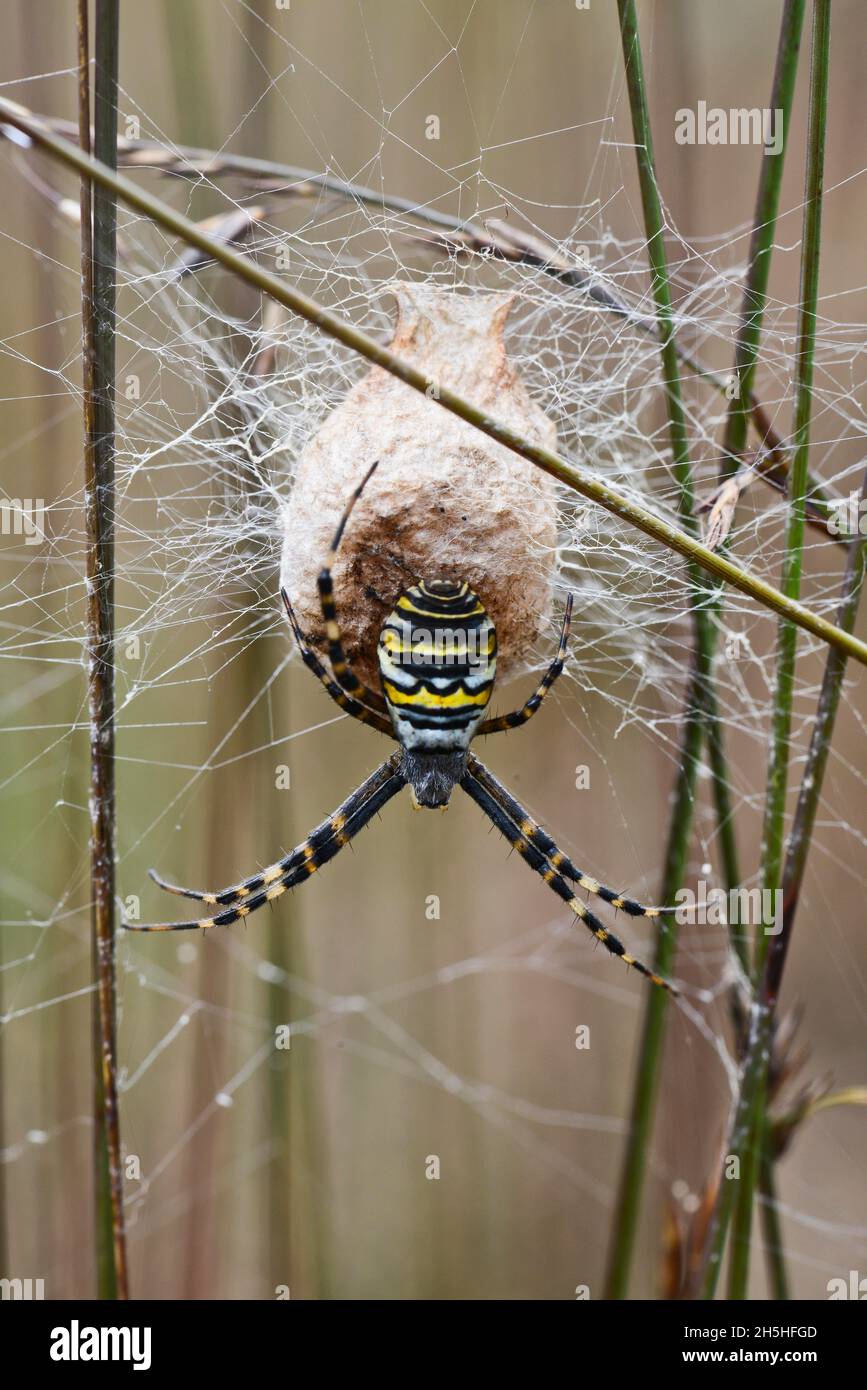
point(437, 659)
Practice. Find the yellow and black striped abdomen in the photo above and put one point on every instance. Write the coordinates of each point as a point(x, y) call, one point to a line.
point(438, 659)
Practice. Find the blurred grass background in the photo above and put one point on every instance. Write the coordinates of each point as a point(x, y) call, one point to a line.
point(310, 1171)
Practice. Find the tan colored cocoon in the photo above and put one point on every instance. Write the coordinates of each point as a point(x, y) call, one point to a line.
point(445, 501)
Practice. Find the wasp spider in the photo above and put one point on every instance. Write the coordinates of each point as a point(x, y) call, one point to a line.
point(437, 659)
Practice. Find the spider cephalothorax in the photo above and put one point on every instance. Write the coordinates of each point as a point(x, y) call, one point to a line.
point(437, 659)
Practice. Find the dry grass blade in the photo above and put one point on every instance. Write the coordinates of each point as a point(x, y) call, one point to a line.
point(229, 228)
point(721, 504)
point(721, 507)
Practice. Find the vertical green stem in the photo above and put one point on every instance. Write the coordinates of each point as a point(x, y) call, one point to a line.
point(749, 1122)
point(722, 800)
point(774, 1249)
point(746, 355)
point(98, 266)
point(653, 1032)
point(762, 239)
point(796, 858)
point(700, 703)
point(823, 728)
point(773, 837)
point(735, 439)
point(702, 706)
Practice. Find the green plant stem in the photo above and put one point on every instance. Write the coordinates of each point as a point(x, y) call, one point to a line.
point(649, 1052)
point(749, 1121)
point(762, 240)
point(702, 693)
point(773, 837)
point(572, 476)
point(98, 267)
point(746, 355)
point(734, 444)
point(796, 858)
point(654, 225)
point(725, 820)
point(793, 872)
point(823, 728)
point(774, 1249)
point(742, 406)
point(773, 832)
point(701, 705)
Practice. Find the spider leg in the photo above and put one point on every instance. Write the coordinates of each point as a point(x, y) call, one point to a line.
point(556, 858)
point(520, 716)
point(297, 866)
point(337, 693)
point(517, 833)
point(225, 897)
point(343, 672)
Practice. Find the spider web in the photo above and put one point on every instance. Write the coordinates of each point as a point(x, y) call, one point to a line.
point(431, 988)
